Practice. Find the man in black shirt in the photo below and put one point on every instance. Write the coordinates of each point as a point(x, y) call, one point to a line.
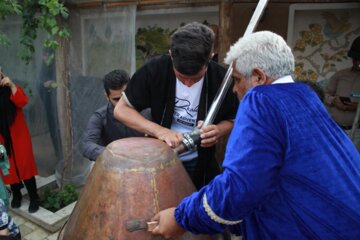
point(179, 88)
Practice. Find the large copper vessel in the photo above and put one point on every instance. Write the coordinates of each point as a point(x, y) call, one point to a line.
point(132, 180)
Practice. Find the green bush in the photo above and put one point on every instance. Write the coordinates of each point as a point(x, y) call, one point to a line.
point(55, 199)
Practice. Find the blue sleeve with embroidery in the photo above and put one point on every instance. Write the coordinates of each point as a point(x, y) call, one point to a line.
point(252, 161)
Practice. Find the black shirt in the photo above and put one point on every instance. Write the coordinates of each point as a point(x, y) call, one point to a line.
point(154, 86)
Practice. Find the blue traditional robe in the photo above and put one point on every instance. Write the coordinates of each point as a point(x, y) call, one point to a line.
point(289, 173)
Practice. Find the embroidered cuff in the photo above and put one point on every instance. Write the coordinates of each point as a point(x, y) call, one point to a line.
point(215, 217)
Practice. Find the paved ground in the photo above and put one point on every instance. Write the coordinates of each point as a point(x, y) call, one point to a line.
point(31, 231)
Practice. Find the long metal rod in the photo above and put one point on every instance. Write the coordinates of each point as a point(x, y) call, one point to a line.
point(219, 97)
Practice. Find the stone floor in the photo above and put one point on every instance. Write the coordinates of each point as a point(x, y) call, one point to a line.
point(37, 226)
point(31, 231)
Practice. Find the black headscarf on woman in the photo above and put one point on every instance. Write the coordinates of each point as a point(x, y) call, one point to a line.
point(7, 117)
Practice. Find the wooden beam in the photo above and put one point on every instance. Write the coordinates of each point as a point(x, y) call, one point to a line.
point(141, 4)
point(163, 3)
point(64, 106)
point(155, 4)
point(224, 43)
point(224, 29)
point(297, 1)
point(175, 5)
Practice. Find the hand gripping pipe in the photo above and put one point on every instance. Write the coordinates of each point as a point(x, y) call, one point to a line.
point(192, 139)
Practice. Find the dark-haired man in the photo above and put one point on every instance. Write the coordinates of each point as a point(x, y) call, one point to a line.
point(102, 127)
point(179, 88)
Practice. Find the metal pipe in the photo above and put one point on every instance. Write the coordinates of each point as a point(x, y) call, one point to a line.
point(219, 97)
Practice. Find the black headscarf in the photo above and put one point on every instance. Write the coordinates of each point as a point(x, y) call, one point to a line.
point(7, 117)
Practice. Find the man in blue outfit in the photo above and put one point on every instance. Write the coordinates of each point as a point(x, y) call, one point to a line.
point(290, 172)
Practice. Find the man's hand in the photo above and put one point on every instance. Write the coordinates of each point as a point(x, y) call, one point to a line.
point(172, 138)
point(4, 232)
point(168, 226)
point(348, 106)
point(351, 106)
point(209, 135)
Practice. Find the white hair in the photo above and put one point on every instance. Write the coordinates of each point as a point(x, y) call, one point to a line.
point(265, 50)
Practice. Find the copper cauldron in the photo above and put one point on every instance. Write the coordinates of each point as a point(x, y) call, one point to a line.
point(132, 180)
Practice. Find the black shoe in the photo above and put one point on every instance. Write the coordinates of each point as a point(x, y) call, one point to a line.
point(16, 201)
point(33, 206)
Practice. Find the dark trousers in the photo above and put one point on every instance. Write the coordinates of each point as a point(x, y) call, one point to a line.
point(190, 167)
point(30, 185)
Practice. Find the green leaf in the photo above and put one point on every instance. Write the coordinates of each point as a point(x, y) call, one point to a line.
point(64, 12)
point(54, 30)
point(4, 40)
point(49, 59)
point(64, 33)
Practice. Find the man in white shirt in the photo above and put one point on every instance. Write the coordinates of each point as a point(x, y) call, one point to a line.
point(179, 88)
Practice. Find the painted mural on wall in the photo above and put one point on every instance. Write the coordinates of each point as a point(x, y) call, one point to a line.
point(151, 41)
point(155, 27)
point(154, 40)
point(321, 39)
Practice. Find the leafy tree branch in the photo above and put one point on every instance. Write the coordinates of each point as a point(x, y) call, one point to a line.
point(48, 15)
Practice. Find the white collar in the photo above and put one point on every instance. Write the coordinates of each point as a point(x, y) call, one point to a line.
point(286, 79)
point(197, 84)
